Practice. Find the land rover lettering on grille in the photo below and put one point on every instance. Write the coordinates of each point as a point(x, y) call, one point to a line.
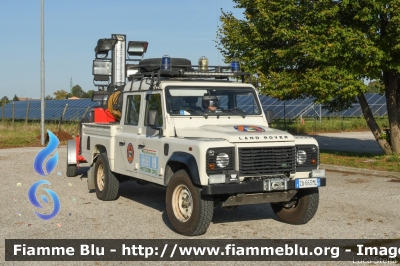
point(263, 137)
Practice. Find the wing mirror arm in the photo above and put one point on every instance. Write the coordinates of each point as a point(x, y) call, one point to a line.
point(160, 130)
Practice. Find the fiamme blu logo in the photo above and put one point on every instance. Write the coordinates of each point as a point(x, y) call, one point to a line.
point(49, 166)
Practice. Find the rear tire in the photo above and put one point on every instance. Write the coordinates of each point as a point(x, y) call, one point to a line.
point(300, 210)
point(106, 184)
point(71, 154)
point(189, 212)
point(71, 170)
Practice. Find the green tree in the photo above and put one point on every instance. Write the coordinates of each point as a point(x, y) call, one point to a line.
point(323, 49)
point(88, 94)
point(375, 87)
point(61, 95)
point(4, 100)
point(48, 97)
point(15, 98)
point(77, 91)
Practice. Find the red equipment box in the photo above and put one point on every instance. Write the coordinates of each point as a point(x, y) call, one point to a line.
point(101, 115)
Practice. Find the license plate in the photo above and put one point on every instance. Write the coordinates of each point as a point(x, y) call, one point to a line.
point(307, 182)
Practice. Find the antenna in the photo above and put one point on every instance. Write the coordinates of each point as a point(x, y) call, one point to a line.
point(216, 3)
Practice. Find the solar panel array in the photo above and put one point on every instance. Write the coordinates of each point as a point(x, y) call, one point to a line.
point(306, 107)
point(77, 109)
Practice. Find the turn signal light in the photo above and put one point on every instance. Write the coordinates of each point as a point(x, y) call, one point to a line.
point(211, 166)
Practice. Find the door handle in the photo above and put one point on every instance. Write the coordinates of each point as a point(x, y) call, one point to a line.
point(122, 143)
point(141, 146)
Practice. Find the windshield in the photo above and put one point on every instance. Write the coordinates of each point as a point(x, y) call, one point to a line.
point(201, 101)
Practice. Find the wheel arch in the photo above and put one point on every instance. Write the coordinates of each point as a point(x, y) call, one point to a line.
point(98, 149)
point(182, 160)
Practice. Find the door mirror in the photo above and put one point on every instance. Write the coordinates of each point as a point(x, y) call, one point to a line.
point(152, 121)
point(270, 115)
point(152, 118)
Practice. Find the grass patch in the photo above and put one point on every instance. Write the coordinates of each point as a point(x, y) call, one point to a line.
point(332, 124)
point(362, 160)
point(28, 135)
point(21, 135)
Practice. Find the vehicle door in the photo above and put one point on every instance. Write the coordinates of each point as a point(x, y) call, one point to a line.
point(151, 142)
point(130, 129)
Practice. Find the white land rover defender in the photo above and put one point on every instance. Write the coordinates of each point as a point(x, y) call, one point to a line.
point(196, 132)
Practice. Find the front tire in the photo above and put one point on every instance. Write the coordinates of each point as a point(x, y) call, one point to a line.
point(189, 212)
point(106, 184)
point(300, 210)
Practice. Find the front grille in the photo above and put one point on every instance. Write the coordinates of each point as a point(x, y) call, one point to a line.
point(267, 160)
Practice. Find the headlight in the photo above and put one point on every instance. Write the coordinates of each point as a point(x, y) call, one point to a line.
point(222, 160)
point(301, 156)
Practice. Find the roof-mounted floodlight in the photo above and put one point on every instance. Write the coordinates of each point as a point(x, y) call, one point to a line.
point(101, 71)
point(131, 70)
point(136, 48)
point(102, 68)
point(99, 95)
point(104, 45)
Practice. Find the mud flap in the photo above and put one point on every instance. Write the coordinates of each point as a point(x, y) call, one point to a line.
point(90, 178)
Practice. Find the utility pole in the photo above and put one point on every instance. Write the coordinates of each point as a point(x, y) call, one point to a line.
point(70, 85)
point(42, 76)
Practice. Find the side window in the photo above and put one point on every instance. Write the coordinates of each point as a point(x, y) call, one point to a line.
point(133, 109)
point(154, 103)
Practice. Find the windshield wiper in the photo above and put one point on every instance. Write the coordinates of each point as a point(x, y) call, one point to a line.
point(237, 111)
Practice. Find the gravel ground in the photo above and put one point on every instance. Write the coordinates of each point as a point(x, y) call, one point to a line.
point(352, 206)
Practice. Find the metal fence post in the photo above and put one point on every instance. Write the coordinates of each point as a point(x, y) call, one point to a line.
point(87, 109)
point(62, 117)
point(27, 113)
point(2, 112)
point(342, 123)
point(284, 113)
point(13, 111)
point(320, 114)
point(315, 123)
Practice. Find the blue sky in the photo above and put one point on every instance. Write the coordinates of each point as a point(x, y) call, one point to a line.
point(178, 28)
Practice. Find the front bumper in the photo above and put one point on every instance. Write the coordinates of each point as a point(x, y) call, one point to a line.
point(257, 186)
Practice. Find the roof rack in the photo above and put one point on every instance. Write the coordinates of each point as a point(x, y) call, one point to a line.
point(214, 72)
